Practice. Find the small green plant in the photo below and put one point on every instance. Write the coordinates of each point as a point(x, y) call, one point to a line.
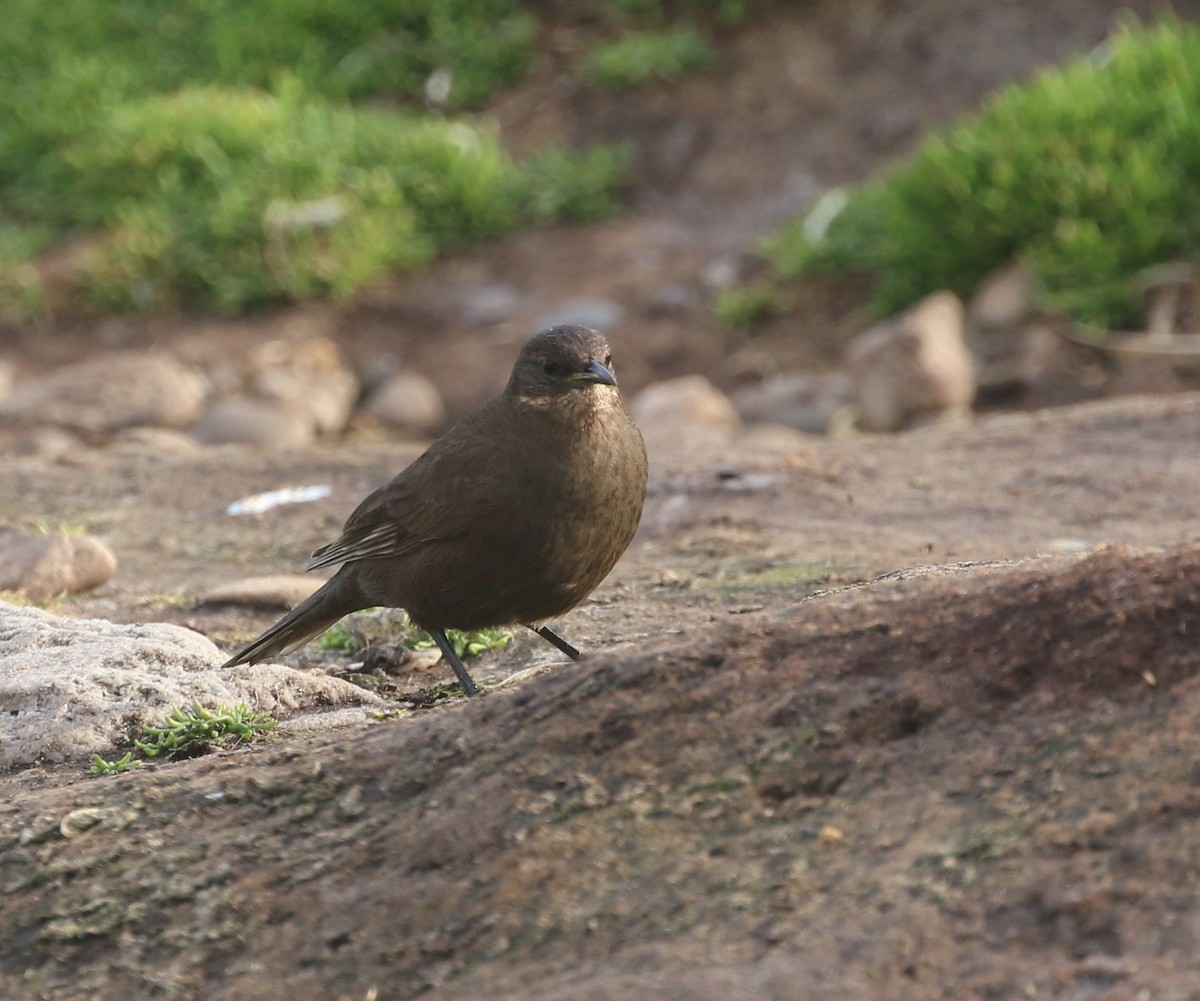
point(43, 527)
point(1086, 173)
point(48, 602)
point(641, 57)
point(102, 767)
point(744, 305)
point(190, 731)
point(466, 644)
point(336, 638)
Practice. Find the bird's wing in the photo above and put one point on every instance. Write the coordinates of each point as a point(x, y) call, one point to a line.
point(430, 501)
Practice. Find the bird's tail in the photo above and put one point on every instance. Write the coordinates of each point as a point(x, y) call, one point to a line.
point(339, 596)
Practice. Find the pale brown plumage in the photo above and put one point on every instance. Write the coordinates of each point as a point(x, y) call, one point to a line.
point(514, 516)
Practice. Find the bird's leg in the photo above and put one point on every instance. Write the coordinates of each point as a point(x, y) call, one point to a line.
point(550, 636)
point(460, 672)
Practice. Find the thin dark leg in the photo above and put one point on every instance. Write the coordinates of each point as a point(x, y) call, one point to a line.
point(460, 672)
point(550, 636)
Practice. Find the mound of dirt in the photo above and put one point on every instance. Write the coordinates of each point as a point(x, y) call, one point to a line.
point(983, 779)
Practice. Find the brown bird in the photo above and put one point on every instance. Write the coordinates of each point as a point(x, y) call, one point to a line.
point(514, 516)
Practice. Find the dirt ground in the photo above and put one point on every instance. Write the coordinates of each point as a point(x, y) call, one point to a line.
point(911, 717)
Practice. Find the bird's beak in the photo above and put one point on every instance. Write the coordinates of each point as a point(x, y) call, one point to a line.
point(595, 372)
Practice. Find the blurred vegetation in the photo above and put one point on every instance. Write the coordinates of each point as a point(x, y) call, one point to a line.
point(645, 57)
point(742, 306)
point(1087, 173)
point(225, 155)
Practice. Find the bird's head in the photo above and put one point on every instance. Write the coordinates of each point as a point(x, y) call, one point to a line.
point(562, 361)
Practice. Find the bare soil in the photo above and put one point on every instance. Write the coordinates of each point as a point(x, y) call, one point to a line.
point(911, 717)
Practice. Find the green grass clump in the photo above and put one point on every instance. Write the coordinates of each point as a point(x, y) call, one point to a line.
point(186, 732)
point(225, 155)
point(742, 306)
point(206, 153)
point(576, 187)
point(1087, 173)
point(642, 57)
point(343, 49)
point(229, 199)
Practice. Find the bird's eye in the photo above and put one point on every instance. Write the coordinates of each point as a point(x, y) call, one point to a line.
point(553, 368)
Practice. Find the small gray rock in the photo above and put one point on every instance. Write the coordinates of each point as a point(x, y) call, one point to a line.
point(1003, 301)
point(274, 591)
point(408, 402)
point(105, 394)
point(684, 413)
point(42, 442)
point(801, 400)
point(487, 305)
point(599, 314)
point(309, 376)
point(377, 625)
point(153, 441)
point(243, 421)
point(41, 565)
point(914, 368)
point(74, 687)
point(1014, 350)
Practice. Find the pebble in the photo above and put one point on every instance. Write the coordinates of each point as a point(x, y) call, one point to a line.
point(801, 400)
point(107, 393)
point(1004, 300)
point(408, 402)
point(1014, 351)
point(153, 441)
point(309, 376)
point(684, 412)
point(42, 565)
point(39, 442)
point(272, 592)
point(246, 421)
point(487, 305)
point(914, 368)
point(597, 313)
